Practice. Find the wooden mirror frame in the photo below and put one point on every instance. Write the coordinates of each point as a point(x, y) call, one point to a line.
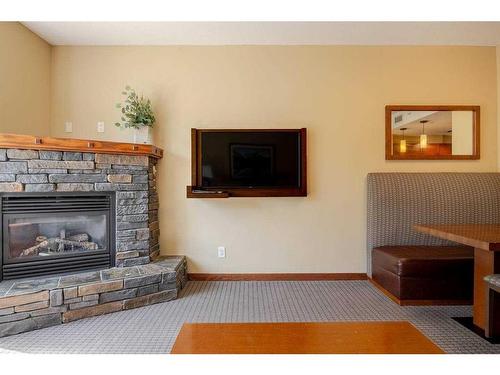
point(388, 131)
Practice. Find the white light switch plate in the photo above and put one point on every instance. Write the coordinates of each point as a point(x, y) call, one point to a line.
point(100, 127)
point(68, 127)
point(221, 252)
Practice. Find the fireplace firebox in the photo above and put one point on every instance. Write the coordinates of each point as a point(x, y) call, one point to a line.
point(49, 233)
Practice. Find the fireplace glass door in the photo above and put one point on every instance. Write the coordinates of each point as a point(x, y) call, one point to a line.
point(35, 236)
point(56, 233)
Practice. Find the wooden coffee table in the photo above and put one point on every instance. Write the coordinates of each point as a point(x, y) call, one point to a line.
point(303, 338)
point(485, 238)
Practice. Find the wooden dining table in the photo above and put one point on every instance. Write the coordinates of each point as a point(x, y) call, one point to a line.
point(485, 239)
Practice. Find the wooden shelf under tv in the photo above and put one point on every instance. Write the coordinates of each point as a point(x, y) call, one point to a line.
point(244, 192)
point(191, 193)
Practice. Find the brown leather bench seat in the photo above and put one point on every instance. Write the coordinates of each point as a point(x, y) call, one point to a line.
point(442, 273)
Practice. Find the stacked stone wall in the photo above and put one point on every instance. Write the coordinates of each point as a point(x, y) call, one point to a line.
point(132, 177)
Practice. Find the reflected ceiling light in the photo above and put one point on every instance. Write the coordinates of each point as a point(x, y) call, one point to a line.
point(402, 143)
point(423, 136)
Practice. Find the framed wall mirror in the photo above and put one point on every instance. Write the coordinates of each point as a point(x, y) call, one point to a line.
point(419, 132)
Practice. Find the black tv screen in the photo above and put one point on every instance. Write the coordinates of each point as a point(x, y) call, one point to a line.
point(250, 159)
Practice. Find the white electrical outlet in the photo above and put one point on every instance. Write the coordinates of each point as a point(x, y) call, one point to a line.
point(221, 252)
point(100, 127)
point(68, 127)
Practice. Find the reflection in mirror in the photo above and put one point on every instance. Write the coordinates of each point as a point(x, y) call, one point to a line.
point(432, 134)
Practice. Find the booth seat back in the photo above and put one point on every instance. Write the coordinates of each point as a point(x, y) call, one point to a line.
point(397, 201)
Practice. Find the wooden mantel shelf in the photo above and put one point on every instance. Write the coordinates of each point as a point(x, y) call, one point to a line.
point(78, 145)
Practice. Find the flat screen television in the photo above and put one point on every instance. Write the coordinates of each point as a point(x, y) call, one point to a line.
point(260, 162)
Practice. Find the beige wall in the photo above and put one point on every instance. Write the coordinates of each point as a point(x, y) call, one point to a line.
point(498, 105)
point(24, 81)
point(463, 132)
point(338, 93)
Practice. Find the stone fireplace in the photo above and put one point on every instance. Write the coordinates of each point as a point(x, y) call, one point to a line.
point(80, 231)
point(132, 179)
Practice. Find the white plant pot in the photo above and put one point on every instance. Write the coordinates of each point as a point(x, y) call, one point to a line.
point(143, 135)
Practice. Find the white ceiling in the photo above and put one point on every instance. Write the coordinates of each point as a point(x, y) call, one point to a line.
point(294, 33)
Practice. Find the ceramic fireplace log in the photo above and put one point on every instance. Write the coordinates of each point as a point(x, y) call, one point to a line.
point(58, 244)
point(83, 237)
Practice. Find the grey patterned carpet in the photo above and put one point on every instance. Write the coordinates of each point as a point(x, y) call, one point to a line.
point(153, 329)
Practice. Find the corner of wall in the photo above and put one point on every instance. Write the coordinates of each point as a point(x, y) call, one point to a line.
point(25, 60)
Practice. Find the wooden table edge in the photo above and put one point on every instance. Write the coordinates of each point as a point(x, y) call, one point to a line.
point(177, 347)
point(478, 244)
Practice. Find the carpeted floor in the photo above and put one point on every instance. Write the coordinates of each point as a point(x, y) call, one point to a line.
point(153, 329)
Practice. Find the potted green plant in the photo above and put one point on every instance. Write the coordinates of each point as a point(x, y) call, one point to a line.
point(136, 114)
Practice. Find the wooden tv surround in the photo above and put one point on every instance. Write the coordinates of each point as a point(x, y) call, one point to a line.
point(194, 190)
point(77, 145)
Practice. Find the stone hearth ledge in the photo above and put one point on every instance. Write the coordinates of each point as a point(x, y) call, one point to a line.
point(30, 304)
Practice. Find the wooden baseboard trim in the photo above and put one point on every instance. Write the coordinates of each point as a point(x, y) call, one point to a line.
point(275, 276)
point(419, 302)
point(388, 294)
point(435, 302)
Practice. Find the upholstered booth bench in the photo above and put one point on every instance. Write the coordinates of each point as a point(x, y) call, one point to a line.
point(413, 268)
